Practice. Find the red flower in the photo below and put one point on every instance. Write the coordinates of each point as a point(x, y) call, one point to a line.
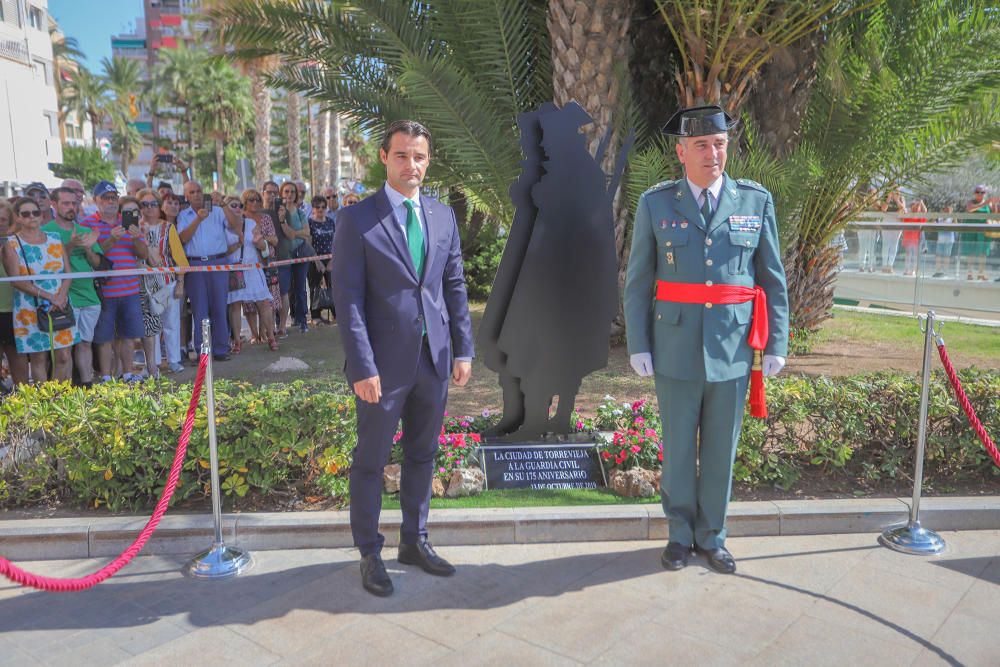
point(659, 456)
point(606, 455)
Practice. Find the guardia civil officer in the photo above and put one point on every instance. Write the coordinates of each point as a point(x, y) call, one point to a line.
point(705, 299)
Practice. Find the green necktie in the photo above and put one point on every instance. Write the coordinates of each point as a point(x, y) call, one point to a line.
point(414, 236)
point(706, 208)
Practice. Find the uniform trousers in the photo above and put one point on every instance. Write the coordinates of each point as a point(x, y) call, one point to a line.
point(701, 428)
point(208, 292)
point(420, 404)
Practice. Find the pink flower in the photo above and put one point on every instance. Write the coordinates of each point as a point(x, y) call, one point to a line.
point(442, 470)
point(579, 424)
point(650, 433)
point(636, 449)
point(442, 440)
point(639, 421)
point(475, 438)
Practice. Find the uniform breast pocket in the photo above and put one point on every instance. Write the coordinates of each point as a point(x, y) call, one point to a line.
point(671, 247)
point(742, 246)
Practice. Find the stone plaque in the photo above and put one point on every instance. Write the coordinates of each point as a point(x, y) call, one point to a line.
point(556, 466)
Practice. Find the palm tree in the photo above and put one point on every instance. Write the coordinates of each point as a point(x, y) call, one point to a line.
point(262, 119)
point(466, 67)
point(86, 94)
point(590, 48)
point(293, 115)
point(904, 90)
point(66, 56)
point(124, 79)
point(179, 72)
point(222, 108)
point(336, 142)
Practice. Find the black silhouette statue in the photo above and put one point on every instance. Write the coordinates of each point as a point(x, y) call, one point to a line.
point(548, 318)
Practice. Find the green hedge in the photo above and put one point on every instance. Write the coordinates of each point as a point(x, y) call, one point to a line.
point(112, 445)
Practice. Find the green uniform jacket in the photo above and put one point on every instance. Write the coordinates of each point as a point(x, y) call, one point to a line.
point(739, 246)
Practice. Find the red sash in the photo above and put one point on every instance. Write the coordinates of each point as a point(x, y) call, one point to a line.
point(724, 295)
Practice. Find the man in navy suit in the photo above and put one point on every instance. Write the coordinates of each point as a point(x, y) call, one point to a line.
point(399, 291)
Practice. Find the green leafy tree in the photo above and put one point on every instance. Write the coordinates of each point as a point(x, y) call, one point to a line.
point(179, 73)
point(85, 164)
point(223, 110)
point(86, 94)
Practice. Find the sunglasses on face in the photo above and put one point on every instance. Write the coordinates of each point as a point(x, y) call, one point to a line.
point(31, 214)
point(236, 205)
point(108, 198)
point(149, 204)
point(255, 200)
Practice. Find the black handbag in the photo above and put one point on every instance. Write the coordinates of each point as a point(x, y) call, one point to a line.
point(321, 298)
point(57, 318)
point(103, 264)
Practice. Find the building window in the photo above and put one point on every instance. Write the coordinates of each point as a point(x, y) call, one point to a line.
point(36, 18)
point(42, 72)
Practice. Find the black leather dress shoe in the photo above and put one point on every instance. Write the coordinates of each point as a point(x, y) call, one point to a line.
point(374, 577)
point(221, 357)
point(720, 560)
point(423, 556)
point(675, 556)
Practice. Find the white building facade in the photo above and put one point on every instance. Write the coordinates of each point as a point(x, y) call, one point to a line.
point(29, 110)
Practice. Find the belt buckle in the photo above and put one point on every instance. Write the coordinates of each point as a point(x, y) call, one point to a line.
point(203, 258)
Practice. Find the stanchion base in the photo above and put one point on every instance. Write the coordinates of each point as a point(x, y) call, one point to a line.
point(219, 562)
point(911, 538)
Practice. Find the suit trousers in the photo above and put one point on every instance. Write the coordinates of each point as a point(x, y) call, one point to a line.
point(701, 428)
point(208, 292)
point(420, 404)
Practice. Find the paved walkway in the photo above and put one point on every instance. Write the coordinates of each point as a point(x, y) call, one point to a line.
point(811, 600)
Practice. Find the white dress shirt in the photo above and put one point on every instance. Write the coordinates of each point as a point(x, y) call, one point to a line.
point(714, 190)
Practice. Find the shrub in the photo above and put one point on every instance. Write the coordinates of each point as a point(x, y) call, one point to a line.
point(111, 446)
point(481, 268)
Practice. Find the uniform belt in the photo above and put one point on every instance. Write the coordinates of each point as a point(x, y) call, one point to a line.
point(210, 257)
point(730, 294)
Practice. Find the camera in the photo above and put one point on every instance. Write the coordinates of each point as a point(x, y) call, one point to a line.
point(165, 158)
point(206, 203)
point(278, 202)
point(130, 218)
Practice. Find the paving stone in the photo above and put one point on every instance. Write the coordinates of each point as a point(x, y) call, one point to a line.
point(810, 641)
point(966, 639)
point(497, 649)
point(218, 645)
point(374, 642)
point(666, 648)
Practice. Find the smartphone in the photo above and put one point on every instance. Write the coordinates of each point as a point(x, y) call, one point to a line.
point(130, 218)
point(207, 204)
point(165, 158)
point(278, 202)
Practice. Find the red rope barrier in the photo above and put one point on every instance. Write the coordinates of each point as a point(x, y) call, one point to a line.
point(19, 576)
point(970, 412)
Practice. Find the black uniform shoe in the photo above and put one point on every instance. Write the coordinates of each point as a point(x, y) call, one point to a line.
point(221, 357)
point(675, 556)
point(423, 556)
point(720, 560)
point(374, 577)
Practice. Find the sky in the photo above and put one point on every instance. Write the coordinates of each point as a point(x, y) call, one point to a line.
point(93, 22)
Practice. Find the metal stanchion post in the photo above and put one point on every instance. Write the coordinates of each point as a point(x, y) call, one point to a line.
point(219, 561)
point(911, 537)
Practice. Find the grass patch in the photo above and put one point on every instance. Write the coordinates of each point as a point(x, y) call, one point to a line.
point(527, 498)
point(961, 339)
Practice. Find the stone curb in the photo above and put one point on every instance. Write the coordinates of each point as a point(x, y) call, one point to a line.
point(40, 539)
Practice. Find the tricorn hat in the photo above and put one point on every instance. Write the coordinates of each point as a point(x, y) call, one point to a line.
point(699, 121)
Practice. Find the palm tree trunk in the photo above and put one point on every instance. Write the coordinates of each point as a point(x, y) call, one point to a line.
point(294, 121)
point(262, 124)
point(336, 147)
point(190, 123)
point(583, 69)
point(220, 163)
point(322, 142)
point(93, 129)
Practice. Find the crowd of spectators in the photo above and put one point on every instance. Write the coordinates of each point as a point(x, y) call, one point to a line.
point(89, 330)
point(954, 252)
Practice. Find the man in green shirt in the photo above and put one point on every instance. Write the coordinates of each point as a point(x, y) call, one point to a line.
point(84, 255)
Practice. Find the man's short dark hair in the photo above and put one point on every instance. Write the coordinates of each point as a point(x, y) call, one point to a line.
point(318, 200)
point(408, 127)
point(267, 183)
point(54, 195)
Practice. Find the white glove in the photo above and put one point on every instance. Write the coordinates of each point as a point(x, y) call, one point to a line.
point(642, 363)
point(772, 365)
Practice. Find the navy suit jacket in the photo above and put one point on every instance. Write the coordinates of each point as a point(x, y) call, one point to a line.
point(382, 305)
